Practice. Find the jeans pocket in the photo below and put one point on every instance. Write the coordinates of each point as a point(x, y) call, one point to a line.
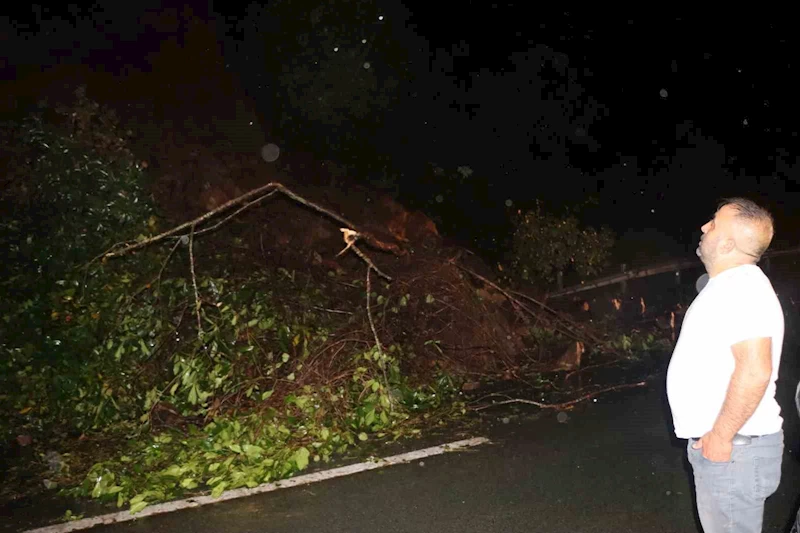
point(697, 459)
point(768, 473)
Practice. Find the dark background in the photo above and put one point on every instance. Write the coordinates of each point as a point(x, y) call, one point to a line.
point(639, 120)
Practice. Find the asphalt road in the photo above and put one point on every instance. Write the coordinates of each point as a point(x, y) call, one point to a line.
point(612, 466)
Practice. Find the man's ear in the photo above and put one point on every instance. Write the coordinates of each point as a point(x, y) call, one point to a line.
point(726, 246)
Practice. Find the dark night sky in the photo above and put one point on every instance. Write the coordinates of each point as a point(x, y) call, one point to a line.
point(666, 112)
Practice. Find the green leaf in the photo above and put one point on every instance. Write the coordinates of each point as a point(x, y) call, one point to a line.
point(214, 480)
point(384, 399)
point(173, 471)
point(266, 394)
point(189, 483)
point(300, 458)
point(251, 450)
point(362, 436)
point(136, 507)
point(218, 490)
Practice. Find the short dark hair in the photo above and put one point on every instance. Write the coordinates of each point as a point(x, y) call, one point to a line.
point(756, 215)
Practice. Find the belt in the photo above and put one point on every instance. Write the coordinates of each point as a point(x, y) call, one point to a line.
point(739, 439)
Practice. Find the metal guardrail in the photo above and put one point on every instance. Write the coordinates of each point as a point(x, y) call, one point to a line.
point(673, 266)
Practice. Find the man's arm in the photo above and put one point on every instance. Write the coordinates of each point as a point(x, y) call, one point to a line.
point(750, 378)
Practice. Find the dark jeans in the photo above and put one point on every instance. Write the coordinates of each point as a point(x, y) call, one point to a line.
point(731, 495)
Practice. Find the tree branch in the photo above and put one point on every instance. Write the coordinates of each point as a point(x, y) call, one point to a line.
point(194, 284)
point(564, 404)
point(265, 191)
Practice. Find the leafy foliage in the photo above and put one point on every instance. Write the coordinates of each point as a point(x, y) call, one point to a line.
point(63, 203)
point(113, 349)
point(544, 244)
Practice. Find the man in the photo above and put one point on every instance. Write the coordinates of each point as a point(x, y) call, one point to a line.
point(721, 378)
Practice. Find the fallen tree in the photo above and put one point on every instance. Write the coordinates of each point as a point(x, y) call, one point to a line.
point(269, 347)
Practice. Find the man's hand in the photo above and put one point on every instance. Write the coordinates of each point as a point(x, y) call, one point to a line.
point(715, 448)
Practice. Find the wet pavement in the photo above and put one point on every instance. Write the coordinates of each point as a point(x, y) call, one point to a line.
point(614, 465)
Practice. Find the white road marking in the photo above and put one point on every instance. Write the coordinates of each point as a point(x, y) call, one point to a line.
point(198, 501)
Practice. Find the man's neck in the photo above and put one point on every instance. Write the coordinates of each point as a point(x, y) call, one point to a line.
point(717, 269)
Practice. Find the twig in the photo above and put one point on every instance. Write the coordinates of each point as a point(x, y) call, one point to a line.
point(569, 331)
point(592, 367)
point(194, 284)
point(339, 311)
point(564, 404)
point(164, 265)
point(382, 363)
point(369, 313)
point(557, 315)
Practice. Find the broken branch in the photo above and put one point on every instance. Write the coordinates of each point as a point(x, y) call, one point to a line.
point(264, 192)
point(563, 404)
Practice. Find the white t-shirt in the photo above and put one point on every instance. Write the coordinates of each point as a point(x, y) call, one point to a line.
point(736, 305)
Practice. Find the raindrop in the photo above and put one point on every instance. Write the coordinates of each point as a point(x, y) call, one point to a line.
point(380, 17)
point(439, 198)
point(335, 48)
point(363, 41)
point(367, 65)
point(509, 203)
point(270, 152)
point(663, 93)
point(745, 122)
